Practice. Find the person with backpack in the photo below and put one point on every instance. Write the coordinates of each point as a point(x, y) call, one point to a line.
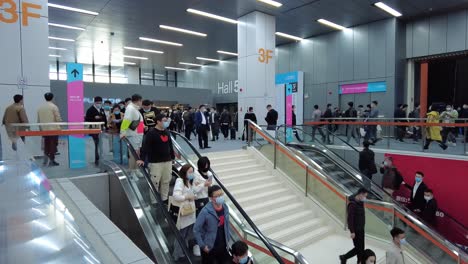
point(391, 177)
point(351, 129)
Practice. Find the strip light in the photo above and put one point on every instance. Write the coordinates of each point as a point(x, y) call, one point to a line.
point(388, 9)
point(227, 53)
point(55, 48)
point(65, 26)
point(135, 57)
point(191, 64)
point(207, 59)
point(331, 24)
point(56, 56)
point(271, 2)
point(161, 41)
point(144, 50)
point(206, 14)
point(175, 68)
point(73, 9)
point(284, 35)
point(183, 30)
point(129, 63)
point(63, 39)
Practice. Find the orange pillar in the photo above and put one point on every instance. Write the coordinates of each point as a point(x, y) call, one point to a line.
point(423, 88)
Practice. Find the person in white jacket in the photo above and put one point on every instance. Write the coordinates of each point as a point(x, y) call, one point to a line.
point(203, 180)
point(394, 254)
point(183, 195)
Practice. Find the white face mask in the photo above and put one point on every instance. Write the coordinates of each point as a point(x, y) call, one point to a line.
point(427, 198)
point(370, 262)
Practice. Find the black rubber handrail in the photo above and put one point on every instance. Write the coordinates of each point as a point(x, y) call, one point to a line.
point(160, 203)
point(235, 203)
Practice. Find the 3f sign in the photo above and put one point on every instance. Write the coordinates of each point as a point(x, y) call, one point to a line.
point(265, 55)
point(10, 12)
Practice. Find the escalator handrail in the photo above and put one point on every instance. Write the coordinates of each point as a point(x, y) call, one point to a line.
point(409, 215)
point(158, 198)
point(235, 203)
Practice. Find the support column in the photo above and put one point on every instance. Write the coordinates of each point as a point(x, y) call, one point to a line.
point(424, 78)
point(24, 63)
point(256, 64)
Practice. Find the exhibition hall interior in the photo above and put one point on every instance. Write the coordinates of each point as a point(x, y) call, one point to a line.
point(234, 131)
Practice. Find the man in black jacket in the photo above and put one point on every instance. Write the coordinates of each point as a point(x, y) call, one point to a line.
point(271, 118)
point(96, 114)
point(417, 201)
point(428, 213)
point(328, 114)
point(351, 129)
point(225, 122)
point(157, 149)
point(250, 115)
point(356, 223)
point(149, 112)
point(367, 164)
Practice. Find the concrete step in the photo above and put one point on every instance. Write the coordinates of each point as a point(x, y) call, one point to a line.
point(248, 174)
point(260, 196)
point(308, 238)
point(259, 208)
point(273, 214)
point(257, 188)
point(297, 230)
point(233, 183)
point(225, 154)
point(219, 159)
point(238, 169)
point(232, 164)
point(285, 221)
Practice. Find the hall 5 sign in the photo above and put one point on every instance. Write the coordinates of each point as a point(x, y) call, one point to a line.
point(10, 13)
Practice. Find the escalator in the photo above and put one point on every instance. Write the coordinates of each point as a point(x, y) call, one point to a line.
point(150, 225)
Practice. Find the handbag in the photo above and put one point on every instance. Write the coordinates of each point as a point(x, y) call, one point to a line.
point(187, 209)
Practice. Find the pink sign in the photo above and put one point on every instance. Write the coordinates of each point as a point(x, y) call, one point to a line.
point(75, 102)
point(354, 88)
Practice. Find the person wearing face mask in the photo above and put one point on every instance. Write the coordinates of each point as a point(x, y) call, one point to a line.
point(240, 253)
point(122, 107)
point(212, 229)
point(448, 132)
point(356, 223)
point(433, 132)
point(107, 108)
point(119, 149)
point(157, 149)
point(417, 201)
point(394, 254)
point(149, 113)
point(202, 127)
point(132, 127)
point(96, 114)
point(369, 257)
point(428, 213)
point(391, 177)
point(183, 197)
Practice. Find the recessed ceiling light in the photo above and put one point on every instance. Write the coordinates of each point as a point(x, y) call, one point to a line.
point(271, 2)
point(202, 13)
point(55, 48)
point(175, 68)
point(183, 30)
point(73, 9)
point(191, 64)
point(144, 50)
point(135, 57)
point(284, 35)
point(57, 56)
point(207, 59)
point(63, 39)
point(331, 24)
point(227, 53)
point(161, 41)
point(65, 26)
point(388, 9)
point(129, 63)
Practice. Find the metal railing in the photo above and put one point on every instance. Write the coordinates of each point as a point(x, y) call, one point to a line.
point(395, 211)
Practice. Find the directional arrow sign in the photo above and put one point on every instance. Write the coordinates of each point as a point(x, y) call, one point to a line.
point(74, 71)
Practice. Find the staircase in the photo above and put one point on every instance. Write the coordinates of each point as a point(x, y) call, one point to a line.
point(272, 204)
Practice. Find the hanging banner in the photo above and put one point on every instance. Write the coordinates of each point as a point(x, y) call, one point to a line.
point(76, 143)
point(289, 93)
point(356, 88)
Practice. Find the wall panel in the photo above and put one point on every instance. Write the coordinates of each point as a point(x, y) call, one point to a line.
point(456, 31)
point(438, 34)
point(421, 37)
point(361, 52)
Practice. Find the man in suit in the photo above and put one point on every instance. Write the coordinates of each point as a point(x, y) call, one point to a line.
point(428, 213)
point(201, 123)
point(271, 118)
point(417, 202)
point(96, 114)
point(367, 164)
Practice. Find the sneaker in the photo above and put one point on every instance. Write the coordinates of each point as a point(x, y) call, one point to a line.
point(443, 146)
point(53, 163)
point(196, 251)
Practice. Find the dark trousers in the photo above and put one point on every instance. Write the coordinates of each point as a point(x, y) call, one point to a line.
point(401, 131)
point(50, 146)
point(96, 147)
point(188, 130)
point(216, 257)
point(314, 129)
point(225, 130)
point(203, 136)
point(358, 249)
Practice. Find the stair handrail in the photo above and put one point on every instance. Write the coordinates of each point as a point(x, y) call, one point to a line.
point(460, 254)
point(258, 234)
